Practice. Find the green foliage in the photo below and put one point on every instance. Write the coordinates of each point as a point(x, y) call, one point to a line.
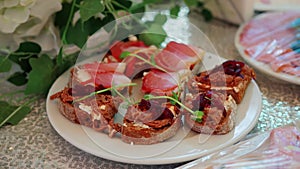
point(155, 35)
point(89, 8)
point(124, 54)
point(26, 51)
point(206, 14)
point(38, 71)
point(191, 3)
point(174, 11)
point(18, 78)
point(41, 76)
point(198, 115)
point(5, 64)
point(10, 114)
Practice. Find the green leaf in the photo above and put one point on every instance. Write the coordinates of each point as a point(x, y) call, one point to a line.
point(122, 5)
point(190, 3)
point(175, 96)
point(160, 19)
point(198, 115)
point(175, 11)
point(124, 54)
point(155, 35)
point(207, 14)
point(200, 4)
point(151, 1)
point(18, 78)
point(138, 8)
point(77, 35)
point(26, 51)
point(90, 8)
point(12, 114)
point(41, 77)
point(5, 64)
point(93, 25)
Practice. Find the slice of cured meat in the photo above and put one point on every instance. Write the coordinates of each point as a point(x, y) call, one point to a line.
point(108, 79)
point(177, 56)
point(99, 74)
point(161, 83)
point(97, 67)
point(270, 38)
point(135, 66)
point(120, 46)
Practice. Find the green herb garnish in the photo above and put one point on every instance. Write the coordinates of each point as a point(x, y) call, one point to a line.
point(112, 89)
point(196, 115)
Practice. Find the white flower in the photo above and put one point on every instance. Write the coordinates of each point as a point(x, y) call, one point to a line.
point(21, 20)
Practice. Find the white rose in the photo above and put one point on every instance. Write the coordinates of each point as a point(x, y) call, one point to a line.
point(22, 20)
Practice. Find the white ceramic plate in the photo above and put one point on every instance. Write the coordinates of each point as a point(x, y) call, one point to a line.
point(276, 5)
point(170, 151)
point(262, 67)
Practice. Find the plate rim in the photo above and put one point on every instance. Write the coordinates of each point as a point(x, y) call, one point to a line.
point(143, 161)
point(262, 67)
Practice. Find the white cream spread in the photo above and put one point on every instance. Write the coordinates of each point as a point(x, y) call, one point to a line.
point(230, 104)
point(85, 108)
point(141, 125)
point(83, 75)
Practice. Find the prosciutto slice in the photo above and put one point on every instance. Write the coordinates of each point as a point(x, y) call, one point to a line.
point(177, 56)
point(162, 83)
point(119, 46)
point(97, 67)
point(108, 79)
point(269, 39)
point(100, 74)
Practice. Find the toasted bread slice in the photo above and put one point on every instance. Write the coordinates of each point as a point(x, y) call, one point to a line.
point(149, 125)
point(95, 112)
point(232, 77)
point(219, 111)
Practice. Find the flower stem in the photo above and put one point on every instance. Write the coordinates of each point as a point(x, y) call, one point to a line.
point(64, 35)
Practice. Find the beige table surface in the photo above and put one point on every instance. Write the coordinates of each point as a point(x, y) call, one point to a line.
point(34, 143)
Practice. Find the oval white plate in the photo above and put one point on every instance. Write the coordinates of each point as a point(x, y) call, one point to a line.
point(262, 67)
point(174, 151)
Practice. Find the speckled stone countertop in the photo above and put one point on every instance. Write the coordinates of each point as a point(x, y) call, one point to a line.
point(34, 143)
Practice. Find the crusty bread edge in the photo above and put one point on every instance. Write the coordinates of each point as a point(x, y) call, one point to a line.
point(225, 127)
point(158, 137)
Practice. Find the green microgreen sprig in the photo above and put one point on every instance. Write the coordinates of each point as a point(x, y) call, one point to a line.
point(112, 88)
point(196, 115)
point(152, 62)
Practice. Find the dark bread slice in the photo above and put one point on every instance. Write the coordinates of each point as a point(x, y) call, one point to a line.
point(94, 112)
point(232, 77)
point(142, 127)
point(219, 112)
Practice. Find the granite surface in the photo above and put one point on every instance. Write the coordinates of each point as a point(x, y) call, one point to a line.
point(34, 143)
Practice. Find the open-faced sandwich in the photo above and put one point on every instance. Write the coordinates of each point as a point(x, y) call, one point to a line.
point(96, 90)
point(88, 99)
point(215, 94)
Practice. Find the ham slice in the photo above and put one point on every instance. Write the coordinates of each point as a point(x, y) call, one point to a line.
point(135, 66)
point(97, 67)
point(162, 83)
point(100, 74)
point(159, 82)
point(108, 79)
point(177, 56)
point(268, 39)
point(119, 46)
